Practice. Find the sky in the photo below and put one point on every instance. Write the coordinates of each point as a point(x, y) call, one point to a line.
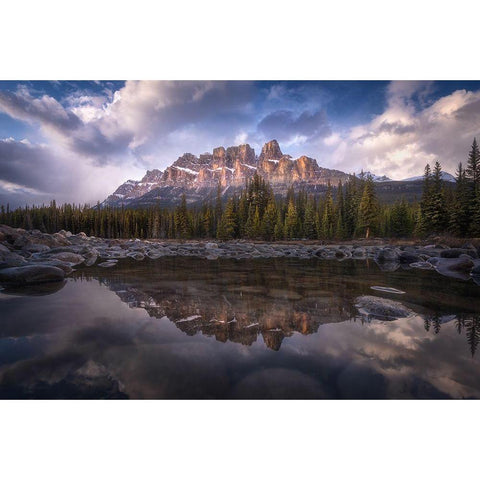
point(76, 141)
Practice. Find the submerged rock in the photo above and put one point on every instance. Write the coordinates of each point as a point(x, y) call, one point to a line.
point(384, 308)
point(387, 290)
point(107, 264)
point(454, 267)
point(422, 265)
point(31, 274)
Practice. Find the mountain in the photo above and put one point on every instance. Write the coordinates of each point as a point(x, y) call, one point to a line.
point(199, 177)
point(376, 178)
point(133, 189)
point(446, 177)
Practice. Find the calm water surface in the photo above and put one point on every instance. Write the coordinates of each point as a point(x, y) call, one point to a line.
point(283, 328)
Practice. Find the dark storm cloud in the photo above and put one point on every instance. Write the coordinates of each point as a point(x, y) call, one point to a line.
point(46, 110)
point(285, 125)
point(27, 166)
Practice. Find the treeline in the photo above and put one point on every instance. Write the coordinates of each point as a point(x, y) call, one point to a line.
point(347, 211)
point(255, 213)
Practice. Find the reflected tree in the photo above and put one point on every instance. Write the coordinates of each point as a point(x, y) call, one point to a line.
point(426, 323)
point(472, 331)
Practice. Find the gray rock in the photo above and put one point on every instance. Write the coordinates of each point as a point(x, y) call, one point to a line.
point(11, 259)
point(66, 267)
point(31, 274)
point(422, 265)
point(136, 255)
point(387, 254)
point(71, 258)
point(408, 257)
point(456, 252)
point(107, 264)
point(454, 267)
point(36, 248)
point(476, 268)
point(90, 259)
point(383, 308)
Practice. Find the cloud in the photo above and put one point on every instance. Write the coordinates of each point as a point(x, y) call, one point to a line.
point(287, 127)
point(402, 139)
point(107, 133)
point(37, 173)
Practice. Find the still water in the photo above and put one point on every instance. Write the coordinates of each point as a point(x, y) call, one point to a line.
point(285, 328)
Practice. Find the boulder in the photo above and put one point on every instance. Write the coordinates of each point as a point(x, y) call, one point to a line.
point(71, 258)
point(30, 274)
point(35, 248)
point(456, 252)
point(387, 254)
point(454, 267)
point(11, 259)
point(383, 308)
point(10, 234)
point(408, 258)
point(66, 267)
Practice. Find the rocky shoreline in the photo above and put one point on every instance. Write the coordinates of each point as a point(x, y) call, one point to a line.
point(30, 257)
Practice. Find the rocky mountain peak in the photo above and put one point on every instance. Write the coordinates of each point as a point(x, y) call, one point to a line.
point(199, 177)
point(152, 176)
point(271, 150)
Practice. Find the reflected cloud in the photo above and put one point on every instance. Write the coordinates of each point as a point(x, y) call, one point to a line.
point(187, 328)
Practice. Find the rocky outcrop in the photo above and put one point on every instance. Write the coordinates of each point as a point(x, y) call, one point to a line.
point(199, 177)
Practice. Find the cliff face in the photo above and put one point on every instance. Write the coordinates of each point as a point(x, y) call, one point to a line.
point(132, 189)
point(198, 177)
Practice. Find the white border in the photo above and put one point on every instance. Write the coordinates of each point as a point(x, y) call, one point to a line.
point(243, 40)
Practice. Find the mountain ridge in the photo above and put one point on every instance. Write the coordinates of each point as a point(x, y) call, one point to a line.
point(198, 177)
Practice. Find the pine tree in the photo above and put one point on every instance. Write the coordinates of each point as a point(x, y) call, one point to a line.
point(424, 220)
point(269, 220)
point(460, 209)
point(368, 209)
point(291, 220)
point(229, 223)
point(279, 230)
point(309, 229)
point(400, 221)
point(328, 221)
point(181, 219)
point(473, 166)
point(438, 208)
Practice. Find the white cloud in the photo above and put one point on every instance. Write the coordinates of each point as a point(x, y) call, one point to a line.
point(401, 140)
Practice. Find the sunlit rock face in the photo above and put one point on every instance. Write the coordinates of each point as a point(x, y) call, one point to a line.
point(199, 177)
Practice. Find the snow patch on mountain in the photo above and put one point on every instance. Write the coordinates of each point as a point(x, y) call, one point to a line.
point(447, 177)
point(376, 178)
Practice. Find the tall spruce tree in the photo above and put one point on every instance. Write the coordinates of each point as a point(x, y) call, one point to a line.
point(368, 209)
point(473, 165)
point(438, 212)
point(229, 223)
point(460, 208)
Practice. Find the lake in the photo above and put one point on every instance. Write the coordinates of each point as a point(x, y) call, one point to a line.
point(176, 328)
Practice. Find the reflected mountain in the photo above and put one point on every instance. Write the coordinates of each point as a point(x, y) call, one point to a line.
point(289, 328)
point(240, 301)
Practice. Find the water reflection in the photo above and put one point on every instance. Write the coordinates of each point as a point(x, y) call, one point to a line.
point(240, 300)
point(187, 328)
